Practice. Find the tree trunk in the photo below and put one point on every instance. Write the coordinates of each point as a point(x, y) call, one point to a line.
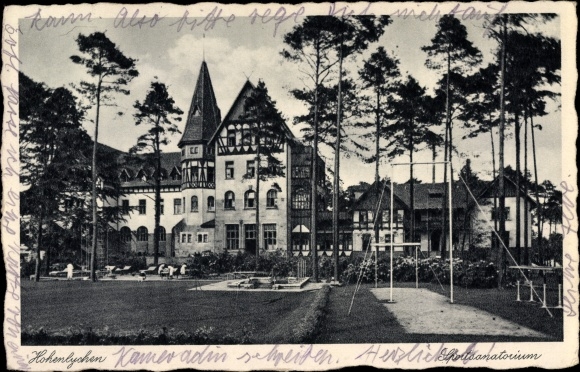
point(442, 242)
point(540, 211)
point(335, 202)
point(39, 244)
point(412, 184)
point(434, 149)
point(378, 138)
point(494, 193)
point(314, 181)
point(501, 181)
point(94, 188)
point(258, 164)
point(47, 253)
point(526, 207)
point(157, 196)
point(518, 171)
point(377, 178)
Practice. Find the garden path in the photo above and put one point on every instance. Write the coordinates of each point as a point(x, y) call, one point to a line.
point(424, 311)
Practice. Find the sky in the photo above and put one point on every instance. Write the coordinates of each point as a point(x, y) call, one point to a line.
point(237, 51)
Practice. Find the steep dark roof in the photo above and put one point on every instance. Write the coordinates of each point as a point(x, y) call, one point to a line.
point(169, 160)
point(492, 190)
point(204, 114)
point(430, 195)
point(237, 111)
point(369, 199)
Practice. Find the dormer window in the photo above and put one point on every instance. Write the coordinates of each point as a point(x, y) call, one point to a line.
point(175, 175)
point(142, 175)
point(193, 150)
point(124, 176)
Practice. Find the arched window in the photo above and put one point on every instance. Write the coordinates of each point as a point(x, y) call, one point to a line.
point(194, 203)
point(272, 199)
point(210, 203)
point(142, 234)
point(301, 199)
point(229, 200)
point(250, 199)
point(125, 234)
point(162, 234)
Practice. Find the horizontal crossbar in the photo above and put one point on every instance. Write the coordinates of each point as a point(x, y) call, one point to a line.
point(546, 268)
point(421, 163)
point(396, 244)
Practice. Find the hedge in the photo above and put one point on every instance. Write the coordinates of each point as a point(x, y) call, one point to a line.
point(308, 328)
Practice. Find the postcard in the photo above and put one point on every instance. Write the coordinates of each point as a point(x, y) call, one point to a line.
point(290, 187)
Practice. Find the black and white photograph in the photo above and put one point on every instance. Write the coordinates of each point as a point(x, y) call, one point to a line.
point(289, 187)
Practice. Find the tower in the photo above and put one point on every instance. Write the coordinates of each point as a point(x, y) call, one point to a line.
point(198, 169)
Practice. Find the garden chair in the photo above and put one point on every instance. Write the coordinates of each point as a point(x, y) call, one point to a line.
point(124, 270)
point(150, 270)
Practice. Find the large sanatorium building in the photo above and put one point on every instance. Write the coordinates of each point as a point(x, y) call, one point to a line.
point(209, 195)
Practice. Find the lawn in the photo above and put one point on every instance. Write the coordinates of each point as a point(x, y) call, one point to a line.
point(126, 306)
point(371, 322)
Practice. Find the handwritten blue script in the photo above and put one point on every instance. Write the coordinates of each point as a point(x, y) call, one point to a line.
point(290, 356)
point(130, 356)
point(38, 23)
point(11, 44)
point(208, 22)
point(571, 294)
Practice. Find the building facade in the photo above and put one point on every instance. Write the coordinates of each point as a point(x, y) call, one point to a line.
point(210, 192)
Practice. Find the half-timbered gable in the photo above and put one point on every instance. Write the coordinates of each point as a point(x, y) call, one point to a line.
point(237, 198)
point(368, 211)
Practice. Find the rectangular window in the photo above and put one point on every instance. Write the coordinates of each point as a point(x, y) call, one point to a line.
point(210, 174)
point(232, 236)
point(177, 206)
point(386, 216)
point(269, 236)
point(161, 206)
point(142, 206)
point(250, 169)
point(193, 150)
point(183, 209)
point(363, 218)
point(231, 137)
point(189, 238)
point(301, 171)
point(125, 206)
point(229, 170)
point(183, 238)
point(388, 238)
point(202, 238)
point(250, 231)
point(495, 215)
point(400, 215)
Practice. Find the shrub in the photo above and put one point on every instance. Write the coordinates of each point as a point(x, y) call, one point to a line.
point(73, 336)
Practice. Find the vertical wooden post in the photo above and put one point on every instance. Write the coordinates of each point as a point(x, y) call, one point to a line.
point(451, 228)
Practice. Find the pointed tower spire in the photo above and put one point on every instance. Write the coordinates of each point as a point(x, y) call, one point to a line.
point(204, 115)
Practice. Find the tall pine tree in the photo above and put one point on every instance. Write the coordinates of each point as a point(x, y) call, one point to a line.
point(159, 112)
point(110, 70)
